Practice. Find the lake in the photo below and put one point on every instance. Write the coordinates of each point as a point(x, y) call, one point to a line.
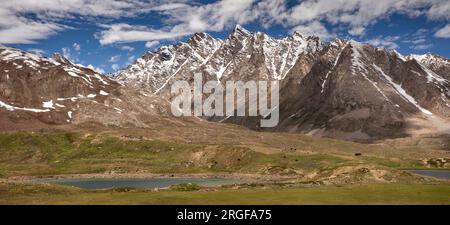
point(440, 174)
point(145, 183)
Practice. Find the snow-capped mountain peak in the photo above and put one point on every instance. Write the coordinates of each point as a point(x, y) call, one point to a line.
point(241, 30)
point(429, 58)
point(436, 63)
point(218, 59)
point(321, 82)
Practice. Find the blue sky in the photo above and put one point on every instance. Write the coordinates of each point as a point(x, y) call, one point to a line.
point(110, 34)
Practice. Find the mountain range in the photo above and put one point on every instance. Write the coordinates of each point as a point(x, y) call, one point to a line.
point(341, 89)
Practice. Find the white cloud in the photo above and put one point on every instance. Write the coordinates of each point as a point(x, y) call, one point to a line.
point(73, 56)
point(36, 51)
point(314, 28)
point(115, 66)
point(22, 31)
point(25, 21)
point(151, 44)
point(96, 69)
point(420, 33)
point(418, 40)
point(126, 48)
point(357, 16)
point(169, 6)
point(357, 31)
point(385, 42)
point(131, 59)
point(185, 21)
point(422, 46)
point(114, 58)
point(76, 46)
point(68, 54)
point(440, 9)
point(123, 33)
point(268, 12)
point(443, 32)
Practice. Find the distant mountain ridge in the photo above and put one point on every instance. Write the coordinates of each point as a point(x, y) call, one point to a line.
point(343, 89)
point(36, 91)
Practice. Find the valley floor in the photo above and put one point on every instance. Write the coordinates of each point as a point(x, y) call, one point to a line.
point(284, 168)
point(353, 194)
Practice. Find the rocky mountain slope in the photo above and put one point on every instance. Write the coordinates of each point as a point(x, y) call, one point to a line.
point(35, 91)
point(437, 64)
point(342, 89)
point(155, 69)
point(242, 55)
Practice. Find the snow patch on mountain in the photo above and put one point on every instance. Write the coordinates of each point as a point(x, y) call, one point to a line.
point(48, 104)
point(401, 91)
point(359, 66)
point(12, 108)
point(332, 68)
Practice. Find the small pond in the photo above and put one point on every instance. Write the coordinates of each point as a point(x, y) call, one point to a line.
point(440, 174)
point(145, 183)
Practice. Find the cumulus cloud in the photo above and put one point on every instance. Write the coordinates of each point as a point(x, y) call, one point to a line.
point(385, 42)
point(76, 46)
point(131, 59)
point(443, 32)
point(123, 33)
point(356, 14)
point(114, 58)
point(151, 44)
point(422, 46)
point(96, 69)
point(22, 31)
point(418, 40)
point(440, 9)
point(126, 48)
point(25, 21)
point(67, 53)
point(73, 53)
point(36, 51)
point(314, 28)
point(115, 66)
point(185, 21)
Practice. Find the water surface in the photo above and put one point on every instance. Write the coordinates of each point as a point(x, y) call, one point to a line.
point(440, 174)
point(141, 182)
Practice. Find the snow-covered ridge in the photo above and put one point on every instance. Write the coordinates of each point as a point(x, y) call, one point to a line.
point(332, 68)
point(31, 60)
point(429, 58)
point(217, 58)
point(155, 69)
point(40, 63)
point(282, 54)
